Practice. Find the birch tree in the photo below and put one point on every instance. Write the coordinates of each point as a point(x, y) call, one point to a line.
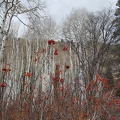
point(90, 35)
point(11, 9)
point(43, 28)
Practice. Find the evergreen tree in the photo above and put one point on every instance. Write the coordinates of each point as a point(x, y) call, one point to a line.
point(117, 22)
point(109, 76)
point(115, 51)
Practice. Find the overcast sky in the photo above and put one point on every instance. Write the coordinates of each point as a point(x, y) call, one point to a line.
point(60, 8)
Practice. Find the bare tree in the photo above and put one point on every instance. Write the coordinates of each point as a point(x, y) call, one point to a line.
point(41, 28)
point(90, 36)
point(11, 9)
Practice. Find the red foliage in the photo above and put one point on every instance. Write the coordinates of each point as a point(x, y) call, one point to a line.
point(67, 87)
point(85, 114)
point(105, 81)
point(112, 118)
point(57, 66)
point(3, 85)
point(61, 80)
point(87, 88)
point(116, 86)
point(25, 104)
point(62, 88)
point(92, 83)
point(91, 99)
point(36, 53)
point(67, 66)
point(100, 79)
point(84, 103)
point(65, 48)
point(35, 59)
point(51, 42)
point(56, 52)
point(73, 102)
point(60, 71)
point(27, 74)
point(25, 82)
point(53, 78)
point(117, 101)
point(43, 50)
point(6, 69)
point(99, 101)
